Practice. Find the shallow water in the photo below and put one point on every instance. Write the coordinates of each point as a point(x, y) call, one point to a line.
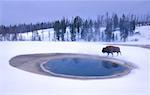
point(83, 67)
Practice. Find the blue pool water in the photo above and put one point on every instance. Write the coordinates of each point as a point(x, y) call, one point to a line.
point(77, 66)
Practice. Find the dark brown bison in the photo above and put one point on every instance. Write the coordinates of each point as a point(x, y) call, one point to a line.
point(111, 49)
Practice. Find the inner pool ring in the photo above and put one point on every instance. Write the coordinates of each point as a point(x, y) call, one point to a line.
point(85, 67)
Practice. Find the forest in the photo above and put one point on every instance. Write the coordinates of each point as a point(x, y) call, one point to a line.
point(80, 28)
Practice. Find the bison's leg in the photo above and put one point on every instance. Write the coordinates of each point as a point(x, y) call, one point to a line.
point(120, 52)
point(107, 53)
point(112, 53)
point(117, 53)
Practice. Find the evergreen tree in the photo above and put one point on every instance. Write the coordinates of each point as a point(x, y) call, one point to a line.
point(109, 30)
point(124, 28)
point(63, 28)
point(14, 29)
point(103, 36)
point(72, 32)
point(113, 37)
point(84, 30)
point(42, 27)
point(57, 29)
point(97, 30)
point(115, 22)
point(78, 24)
point(90, 30)
point(116, 37)
point(132, 27)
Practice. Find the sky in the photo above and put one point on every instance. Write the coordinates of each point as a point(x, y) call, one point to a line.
point(33, 11)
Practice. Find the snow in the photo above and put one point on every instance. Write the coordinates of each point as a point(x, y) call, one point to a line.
point(143, 36)
point(46, 34)
point(145, 31)
point(14, 81)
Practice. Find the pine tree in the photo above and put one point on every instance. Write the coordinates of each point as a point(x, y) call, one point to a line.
point(78, 24)
point(124, 28)
point(103, 36)
point(84, 30)
point(115, 22)
point(113, 37)
point(72, 32)
point(63, 28)
point(108, 30)
point(90, 30)
point(42, 27)
point(132, 27)
point(97, 30)
point(57, 30)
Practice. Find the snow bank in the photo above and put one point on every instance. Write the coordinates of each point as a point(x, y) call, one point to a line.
point(14, 81)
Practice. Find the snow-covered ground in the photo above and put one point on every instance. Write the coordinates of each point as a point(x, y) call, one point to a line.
point(142, 34)
point(14, 81)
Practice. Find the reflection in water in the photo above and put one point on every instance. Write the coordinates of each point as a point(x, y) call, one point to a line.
point(76, 66)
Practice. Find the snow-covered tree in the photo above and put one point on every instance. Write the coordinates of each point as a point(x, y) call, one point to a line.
point(115, 21)
point(57, 29)
point(124, 28)
point(63, 28)
point(78, 24)
point(72, 32)
point(84, 30)
point(109, 30)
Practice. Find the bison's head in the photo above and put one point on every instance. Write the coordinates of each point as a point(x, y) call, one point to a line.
point(104, 50)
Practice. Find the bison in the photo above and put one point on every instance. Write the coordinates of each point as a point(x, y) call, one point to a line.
point(111, 49)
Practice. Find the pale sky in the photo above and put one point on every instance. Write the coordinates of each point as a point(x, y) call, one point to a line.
point(27, 11)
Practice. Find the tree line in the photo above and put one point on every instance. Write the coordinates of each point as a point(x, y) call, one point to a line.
point(101, 29)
